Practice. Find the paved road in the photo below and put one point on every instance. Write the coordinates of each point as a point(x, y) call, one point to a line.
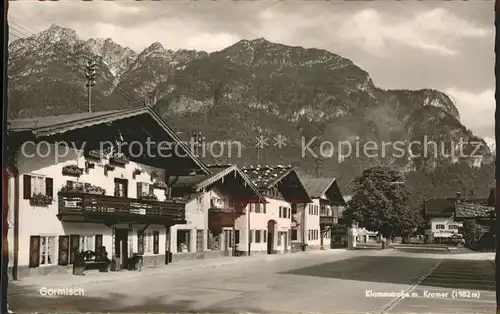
point(323, 282)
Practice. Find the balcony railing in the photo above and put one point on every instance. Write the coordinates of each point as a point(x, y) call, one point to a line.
point(85, 204)
point(327, 220)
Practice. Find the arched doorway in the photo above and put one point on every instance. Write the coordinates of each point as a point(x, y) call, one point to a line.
point(271, 231)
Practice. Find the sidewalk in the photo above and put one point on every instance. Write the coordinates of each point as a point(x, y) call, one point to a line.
point(34, 284)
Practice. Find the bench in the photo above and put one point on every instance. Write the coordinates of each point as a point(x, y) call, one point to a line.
point(91, 260)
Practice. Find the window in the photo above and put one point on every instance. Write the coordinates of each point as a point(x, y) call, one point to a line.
point(453, 227)
point(199, 204)
point(250, 236)
point(121, 187)
point(257, 236)
point(280, 213)
point(47, 250)
point(289, 213)
point(440, 227)
point(310, 209)
point(156, 242)
point(264, 208)
point(265, 236)
point(148, 242)
point(257, 207)
point(250, 207)
point(294, 234)
point(87, 243)
point(143, 189)
point(308, 234)
point(37, 184)
point(237, 236)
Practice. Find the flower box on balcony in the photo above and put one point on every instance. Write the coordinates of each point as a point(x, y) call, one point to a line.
point(160, 185)
point(148, 197)
point(72, 170)
point(118, 159)
point(93, 154)
point(40, 200)
point(87, 188)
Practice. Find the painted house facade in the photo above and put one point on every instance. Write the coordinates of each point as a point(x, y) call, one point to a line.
point(322, 225)
point(215, 202)
point(93, 191)
point(267, 228)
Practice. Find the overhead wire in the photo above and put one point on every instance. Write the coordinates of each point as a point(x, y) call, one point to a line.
point(21, 32)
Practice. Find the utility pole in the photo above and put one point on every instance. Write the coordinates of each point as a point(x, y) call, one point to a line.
point(318, 162)
point(197, 140)
point(91, 73)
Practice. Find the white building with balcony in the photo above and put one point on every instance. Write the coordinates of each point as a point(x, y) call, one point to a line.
point(321, 227)
point(215, 202)
point(76, 183)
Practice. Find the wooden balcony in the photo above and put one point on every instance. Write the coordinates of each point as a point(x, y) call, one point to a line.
point(326, 221)
point(223, 214)
point(86, 207)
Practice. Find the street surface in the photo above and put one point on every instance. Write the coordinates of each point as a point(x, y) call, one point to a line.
point(337, 281)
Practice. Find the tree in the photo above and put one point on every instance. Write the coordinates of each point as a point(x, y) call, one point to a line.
point(472, 232)
point(380, 202)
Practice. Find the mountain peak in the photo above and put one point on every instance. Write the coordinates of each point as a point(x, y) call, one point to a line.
point(57, 33)
point(155, 47)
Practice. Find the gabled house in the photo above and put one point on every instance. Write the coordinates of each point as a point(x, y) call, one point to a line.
point(323, 213)
point(267, 228)
point(439, 214)
point(214, 203)
point(86, 181)
point(446, 216)
point(478, 209)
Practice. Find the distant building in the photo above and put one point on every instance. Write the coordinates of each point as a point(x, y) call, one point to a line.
point(445, 216)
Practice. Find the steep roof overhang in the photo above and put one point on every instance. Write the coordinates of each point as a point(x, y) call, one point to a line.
point(291, 187)
point(247, 191)
point(333, 193)
point(93, 130)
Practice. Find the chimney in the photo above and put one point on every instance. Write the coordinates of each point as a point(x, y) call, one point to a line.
point(459, 195)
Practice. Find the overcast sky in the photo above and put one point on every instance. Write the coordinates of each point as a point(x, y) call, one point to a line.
point(441, 45)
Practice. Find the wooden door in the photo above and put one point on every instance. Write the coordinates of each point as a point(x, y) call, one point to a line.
point(63, 256)
point(34, 251)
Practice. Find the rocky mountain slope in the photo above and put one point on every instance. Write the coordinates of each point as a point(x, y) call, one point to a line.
point(252, 88)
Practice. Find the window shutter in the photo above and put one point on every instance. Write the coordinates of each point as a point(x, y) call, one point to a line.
point(140, 243)
point(74, 242)
point(156, 242)
point(63, 255)
point(26, 187)
point(237, 236)
point(34, 251)
point(49, 187)
point(98, 241)
point(139, 189)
